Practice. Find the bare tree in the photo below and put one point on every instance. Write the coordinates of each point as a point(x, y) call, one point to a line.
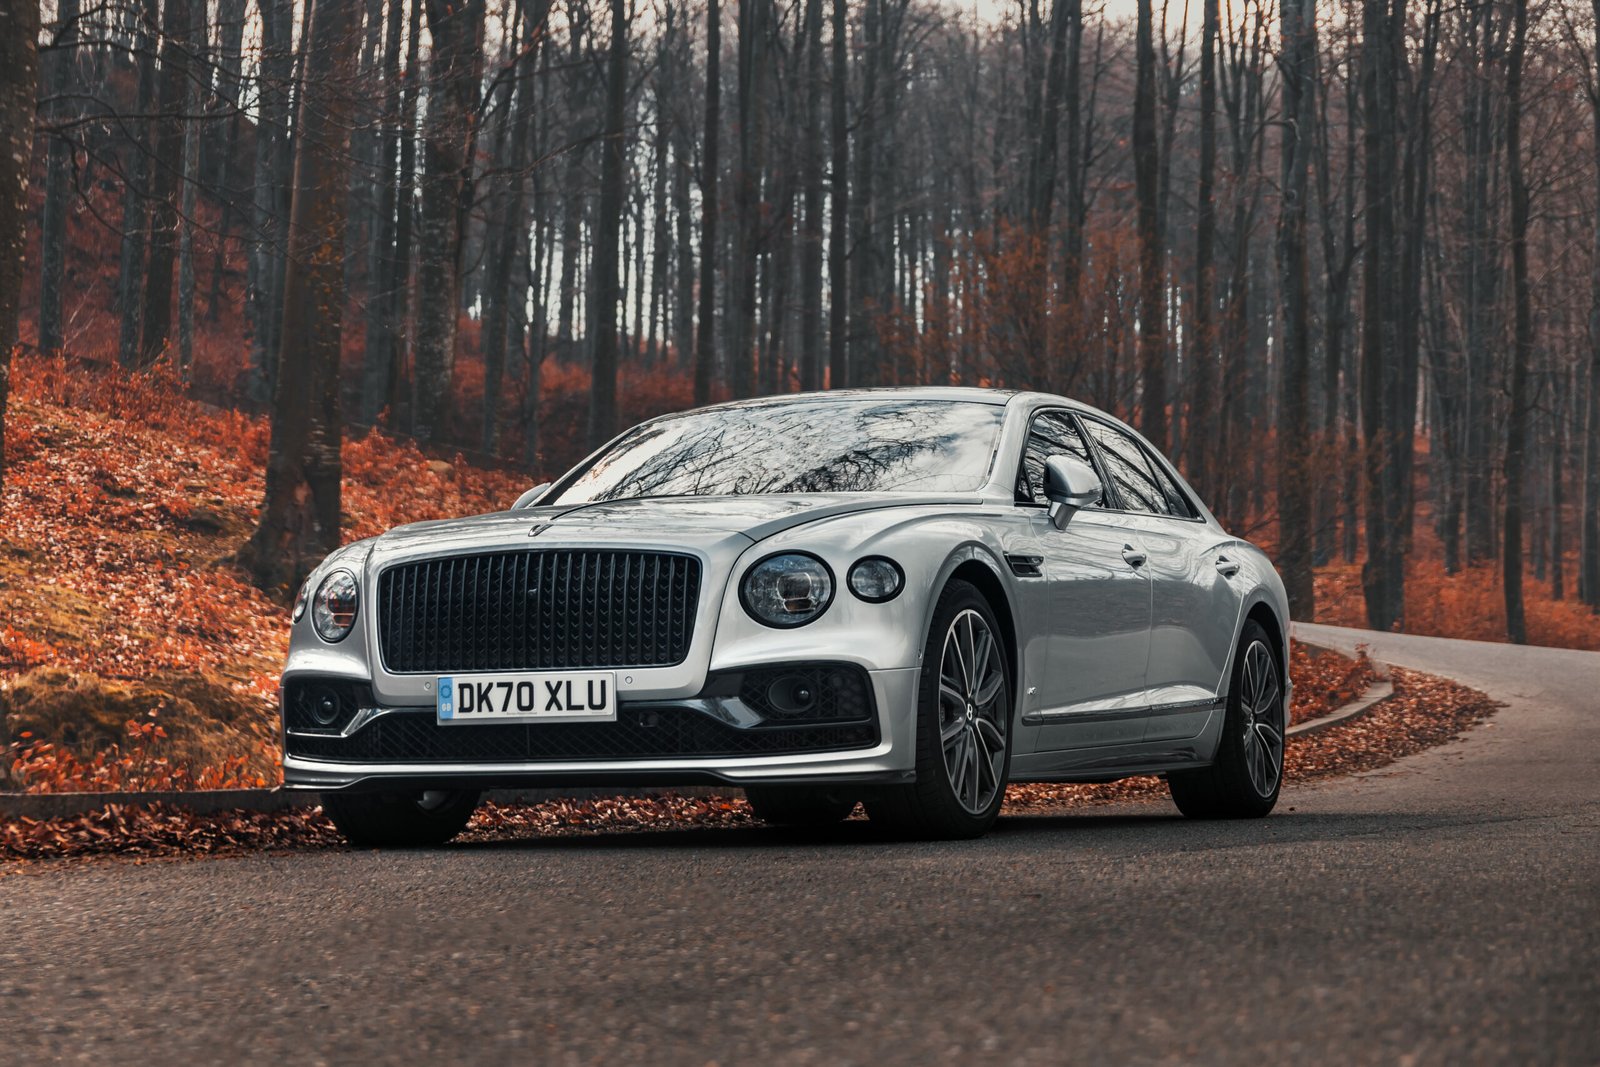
point(19, 85)
point(300, 513)
point(457, 30)
point(58, 181)
point(1297, 66)
point(1522, 351)
point(705, 353)
point(607, 291)
point(1152, 269)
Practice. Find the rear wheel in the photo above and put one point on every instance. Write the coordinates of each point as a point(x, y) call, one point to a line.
point(963, 727)
point(1244, 780)
point(799, 806)
point(401, 820)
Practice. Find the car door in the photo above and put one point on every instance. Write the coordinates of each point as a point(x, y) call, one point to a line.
point(1193, 606)
point(1090, 619)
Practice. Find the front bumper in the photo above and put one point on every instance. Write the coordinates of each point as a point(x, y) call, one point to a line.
point(884, 754)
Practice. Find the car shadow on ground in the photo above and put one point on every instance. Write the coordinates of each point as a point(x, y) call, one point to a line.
point(1149, 827)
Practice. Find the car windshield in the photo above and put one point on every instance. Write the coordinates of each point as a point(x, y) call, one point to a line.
point(826, 445)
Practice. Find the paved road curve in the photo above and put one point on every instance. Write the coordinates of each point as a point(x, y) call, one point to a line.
point(1443, 910)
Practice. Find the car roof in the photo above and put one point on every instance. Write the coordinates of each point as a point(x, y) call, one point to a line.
point(955, 393)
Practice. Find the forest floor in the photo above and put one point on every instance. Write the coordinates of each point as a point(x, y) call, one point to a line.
point(133, 655)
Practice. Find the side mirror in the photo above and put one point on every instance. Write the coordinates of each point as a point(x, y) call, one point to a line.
point(531, 497)
point(1069, 483)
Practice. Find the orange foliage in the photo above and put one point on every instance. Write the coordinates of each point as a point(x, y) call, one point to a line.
point(43, 767)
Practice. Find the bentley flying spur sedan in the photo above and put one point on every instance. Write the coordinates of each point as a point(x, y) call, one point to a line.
point(902, 599)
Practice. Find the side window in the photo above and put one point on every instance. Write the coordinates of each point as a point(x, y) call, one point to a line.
point(1130, 468)
point(1180, 505)
point(1053, 433)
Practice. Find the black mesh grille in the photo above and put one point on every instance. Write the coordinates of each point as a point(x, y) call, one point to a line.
point(638, 733)
point(538, 610)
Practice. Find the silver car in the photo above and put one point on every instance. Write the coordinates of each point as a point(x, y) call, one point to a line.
point(901, 598)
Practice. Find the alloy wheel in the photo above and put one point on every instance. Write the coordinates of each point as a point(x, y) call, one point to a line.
point(972, 713)
point(1261, 705)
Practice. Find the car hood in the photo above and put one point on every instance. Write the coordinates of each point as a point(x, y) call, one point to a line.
point(708, 523)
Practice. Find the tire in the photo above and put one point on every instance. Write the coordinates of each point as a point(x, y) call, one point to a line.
point(962, 717)
point(801, 807)
point(400, 820)
point(1246, 776)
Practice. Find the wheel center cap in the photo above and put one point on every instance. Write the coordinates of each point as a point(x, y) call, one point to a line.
point(969, 712)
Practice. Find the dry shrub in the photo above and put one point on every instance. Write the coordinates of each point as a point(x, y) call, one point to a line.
point(75, 730)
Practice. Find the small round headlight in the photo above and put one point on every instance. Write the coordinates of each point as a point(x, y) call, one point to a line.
point(789, 589)
point(876, 579)
point(333, 609)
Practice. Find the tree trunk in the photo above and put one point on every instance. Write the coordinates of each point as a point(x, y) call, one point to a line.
point(452, 94)
point(1152, 272)
point(19, 87)
point(135, 202)
point(1296, 64)
point(1381, 576)
point(188, 198)
point(838, 235)
point(300, 514)
point(53, 231)
point(1199, 441)
point(1589, 532)
point(751, 132)
point(811, 222)
point(174, 82)
point(264, 305)
point(705, 352)
point(613, 164)
point(1522, 353)
point(376, 358)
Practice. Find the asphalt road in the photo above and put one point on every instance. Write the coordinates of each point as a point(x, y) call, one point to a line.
point(1443, 910)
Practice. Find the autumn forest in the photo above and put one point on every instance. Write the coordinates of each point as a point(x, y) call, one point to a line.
point(1340, 260)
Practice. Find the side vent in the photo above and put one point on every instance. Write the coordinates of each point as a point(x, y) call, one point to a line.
point(1026, 566)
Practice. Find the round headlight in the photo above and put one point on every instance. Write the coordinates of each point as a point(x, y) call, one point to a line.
point(333, 609)
point(876, 579)
point(789, 589)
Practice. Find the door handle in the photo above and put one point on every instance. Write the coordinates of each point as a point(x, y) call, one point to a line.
point(1227, 567)
point(1134, 556)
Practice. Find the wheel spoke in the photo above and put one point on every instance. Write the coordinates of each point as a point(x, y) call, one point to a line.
point(991, 733)
point(952, 731)
point(989, 690)
point(953, 695)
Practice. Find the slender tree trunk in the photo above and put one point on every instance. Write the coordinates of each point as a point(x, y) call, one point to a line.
point(1152, 272)
point(1589, 531)
point(839, 213)
point(751, 130)
point(1522, 354)
point(452, 94)
point(53, 232)
point(300, 514)
point(377, 359)
point(174, 84)
point(1199, 442)
point(706, 335)
point(135, 202)
point(811, 232)
point(188, 198)
point(19, 87)
point(1381, 577)
point(1296, 64)
point(613, 164)
point(264, 307)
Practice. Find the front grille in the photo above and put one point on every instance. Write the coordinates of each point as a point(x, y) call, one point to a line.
point(638, 733)
point(538, 610)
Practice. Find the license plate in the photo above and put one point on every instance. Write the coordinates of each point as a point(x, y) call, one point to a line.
point(589, 696)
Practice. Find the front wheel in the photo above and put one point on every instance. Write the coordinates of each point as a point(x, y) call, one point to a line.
point(401, 820)
point(963, 727)
point(1244, 780)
